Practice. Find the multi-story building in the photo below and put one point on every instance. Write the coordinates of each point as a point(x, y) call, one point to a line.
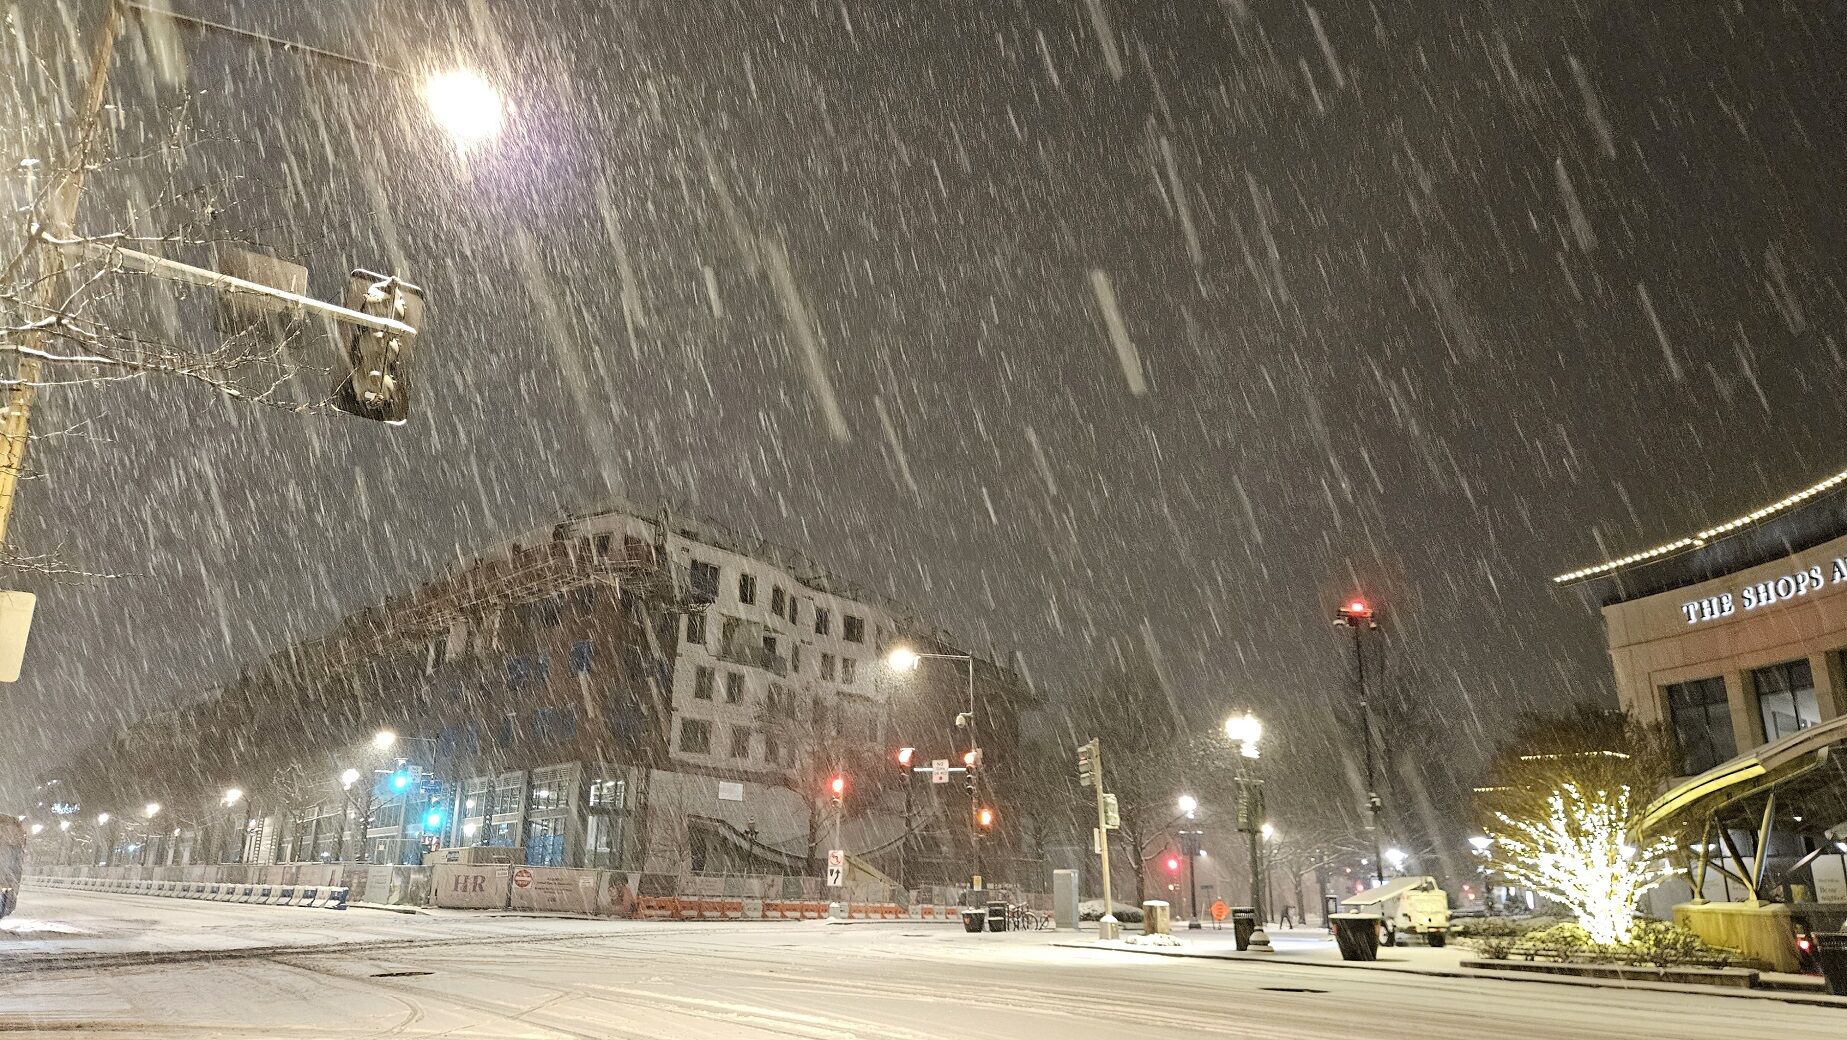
point(617, 690)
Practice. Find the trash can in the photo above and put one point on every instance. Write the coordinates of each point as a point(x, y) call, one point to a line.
point(1357, 935)
point(1831, 954)
point(997, 916)
point(973, 917)
point(1243, 923)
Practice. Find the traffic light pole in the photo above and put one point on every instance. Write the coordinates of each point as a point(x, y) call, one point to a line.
point(1373, 805)
point(1192, 893)
point(1107, 926)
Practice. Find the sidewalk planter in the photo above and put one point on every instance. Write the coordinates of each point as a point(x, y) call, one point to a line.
point(1736, 978)
point(1357, 936)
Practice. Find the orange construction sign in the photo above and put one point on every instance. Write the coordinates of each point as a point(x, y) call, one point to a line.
point(1219, 910)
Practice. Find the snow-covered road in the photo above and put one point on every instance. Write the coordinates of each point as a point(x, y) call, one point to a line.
point(64, 968)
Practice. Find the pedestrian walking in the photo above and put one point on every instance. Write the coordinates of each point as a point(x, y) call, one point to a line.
point(1285, 922)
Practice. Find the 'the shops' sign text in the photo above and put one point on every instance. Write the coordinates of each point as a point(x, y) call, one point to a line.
point(1764, 593)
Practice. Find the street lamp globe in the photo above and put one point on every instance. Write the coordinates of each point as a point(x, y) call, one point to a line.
point(383, 739)
point(1481, 843)
point(1396, 857)
point(1188, 804)
point(349, 778)
point(902, 659)
point(102, 818)
point(151, 810)
point(233, 795)
point(465, 105)
point(64, 825)
point(38, 828)
point(1245, 731)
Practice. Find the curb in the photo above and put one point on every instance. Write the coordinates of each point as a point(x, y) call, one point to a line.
point(1785, 996)
point(390, 908)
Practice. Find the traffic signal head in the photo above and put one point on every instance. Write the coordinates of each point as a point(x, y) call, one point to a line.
point(375, 371)
point(985, 817)
point(837, 787)
point(904, 756)
point(972, 758)
point(400, 780)
point(1173, 863)
point(433, 819)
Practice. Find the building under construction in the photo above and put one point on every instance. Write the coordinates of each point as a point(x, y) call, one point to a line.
point(645, 693)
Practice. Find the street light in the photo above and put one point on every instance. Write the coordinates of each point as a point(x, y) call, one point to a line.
point(1190, 846)
point(64, 825)
point(383, 739)
point(349, 778)
point(232, 796)
point(1245, 731)
point(38, 828)
point(465, 105)
point(102, 819)
point(1481, 844)
point(1397, 858)
point(1357, 616)
point(1188, 805)
point(902, 658)
point(151, 810)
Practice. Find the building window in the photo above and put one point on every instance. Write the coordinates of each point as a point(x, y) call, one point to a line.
point(740, 742)
point(607, 794)
point(695, 629)
point(695, 736)
point(1702, 722)
point(770, 645)
point(702, 683)
point(603, 543)
point(795, 658)
point(827, 667)
point(848, 668)
point(823, 621)
point(1785, 699)
point(776, 600)
point(795, 610)
point(772, 749)
point(704, 581)
point(747, 588)
point(853, 628)
point(580, 657)
point(734, 687)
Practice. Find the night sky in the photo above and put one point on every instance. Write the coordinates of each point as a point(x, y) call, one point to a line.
point(1429, 302)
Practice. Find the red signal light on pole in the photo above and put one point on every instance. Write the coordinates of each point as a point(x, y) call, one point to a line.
point(904, 756)
point(972, 759)
point(1173, 864)
point(985, 817)
point(838, 786)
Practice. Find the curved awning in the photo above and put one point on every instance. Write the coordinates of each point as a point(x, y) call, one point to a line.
point(1772, 765)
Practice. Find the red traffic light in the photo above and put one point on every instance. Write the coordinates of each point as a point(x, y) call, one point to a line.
point(1173, 864)
point(904, 756)
point(972, 759)
point(838, 785)
point(1358, 606)
point(985, 818)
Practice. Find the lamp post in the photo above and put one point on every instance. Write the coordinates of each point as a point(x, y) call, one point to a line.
point(1245, 731)
point(1190, 843)
point(904, 659)
point(1480, 844)
point(1357, 617)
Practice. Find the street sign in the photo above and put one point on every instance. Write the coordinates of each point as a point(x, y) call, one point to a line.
point(836, 867)
point(1096, 842)
point(836, 857)
point(522, 878)
point(1112, 814)
point(939, 770)
point(1219, 910)
point(1190, 842)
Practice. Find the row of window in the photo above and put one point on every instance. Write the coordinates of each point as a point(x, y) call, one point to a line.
point(843, 668)
point(696, 739)
point(1701, 718)
point(783, 603)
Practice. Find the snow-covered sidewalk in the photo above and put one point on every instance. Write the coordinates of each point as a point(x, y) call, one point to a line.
point(1314, 947)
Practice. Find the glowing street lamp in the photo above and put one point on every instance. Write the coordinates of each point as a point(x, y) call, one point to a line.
point(349, 778)
point(1481, 843)
point(38, 828)
point(102, 819)
point(383, 739)
point(465, 105)
point(232, 796)
point(903, 659)
point(1245, 731)
point(1396, 857)
point(64, 825)
point(1188, 805)
point(151, 810)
